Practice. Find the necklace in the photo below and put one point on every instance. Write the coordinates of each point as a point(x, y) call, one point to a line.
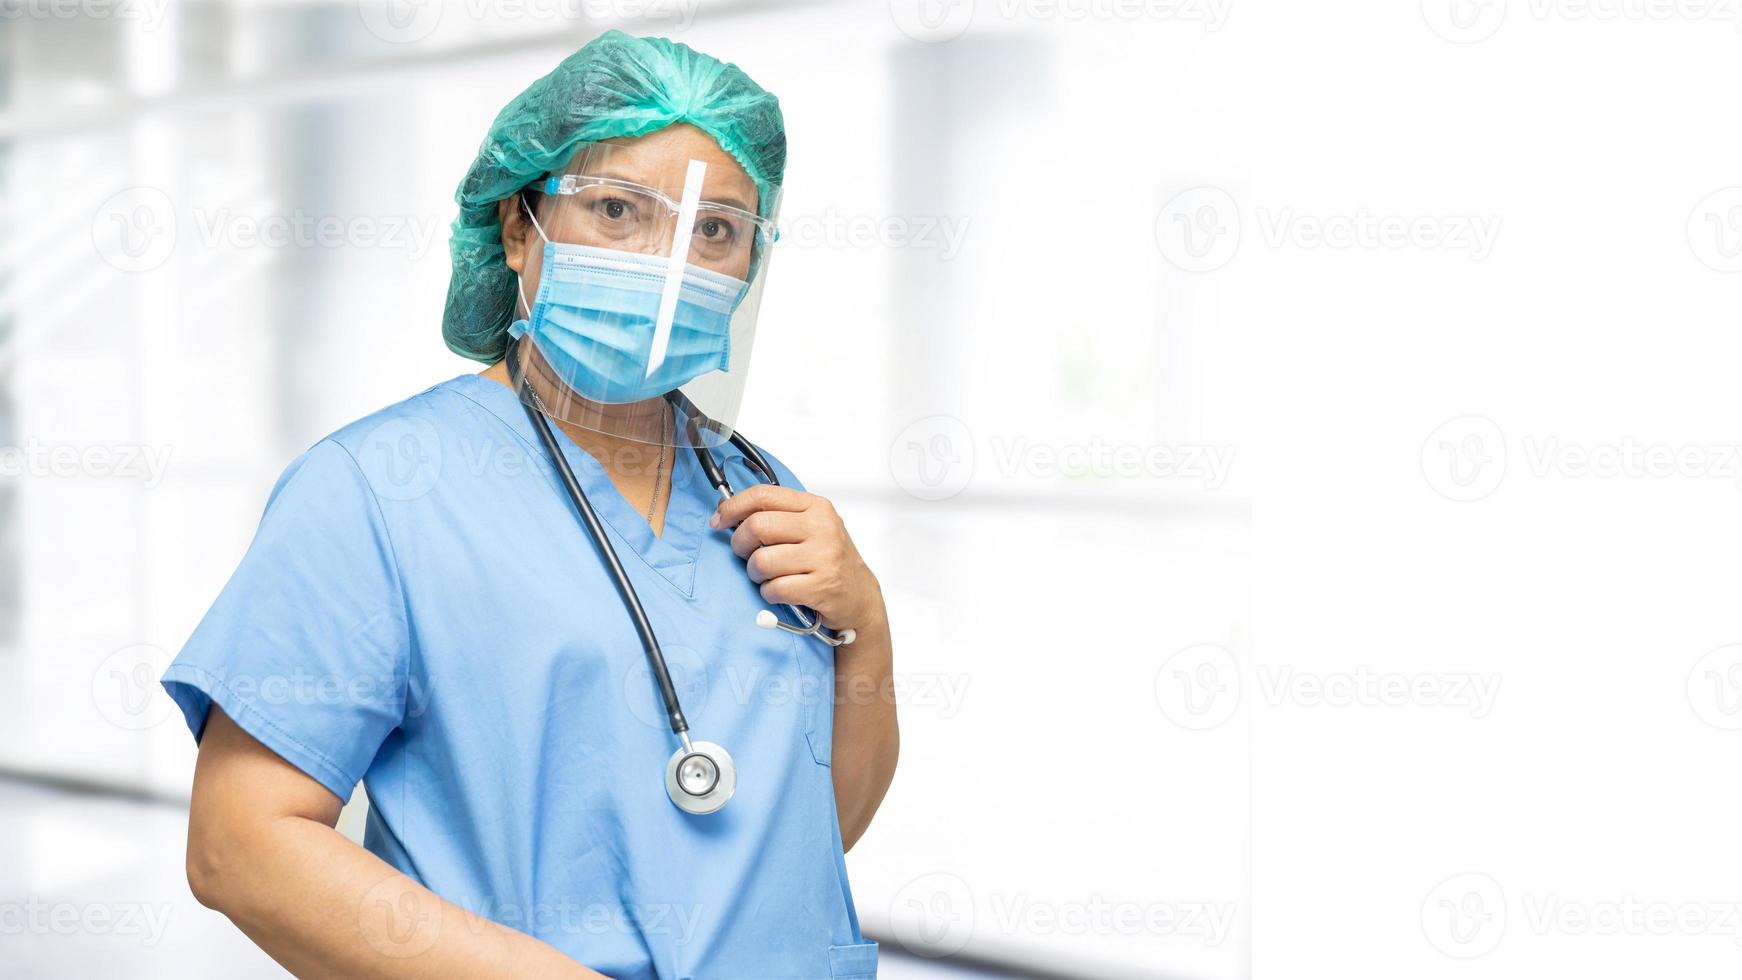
point(658, 475)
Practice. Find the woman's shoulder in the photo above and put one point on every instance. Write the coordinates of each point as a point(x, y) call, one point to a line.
point(456, 400)
point(400, 450)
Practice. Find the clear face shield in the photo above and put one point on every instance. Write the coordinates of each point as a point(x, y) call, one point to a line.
point(648, 285)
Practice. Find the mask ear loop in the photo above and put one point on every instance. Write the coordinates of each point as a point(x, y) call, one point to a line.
point(519, 278)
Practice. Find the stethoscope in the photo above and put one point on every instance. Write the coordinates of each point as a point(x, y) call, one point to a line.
point(700, 776)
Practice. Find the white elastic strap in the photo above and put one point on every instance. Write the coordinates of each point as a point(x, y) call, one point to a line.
point(680, 255)
point(519, 279)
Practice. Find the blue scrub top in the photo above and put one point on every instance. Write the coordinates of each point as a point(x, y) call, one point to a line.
point(421, 609)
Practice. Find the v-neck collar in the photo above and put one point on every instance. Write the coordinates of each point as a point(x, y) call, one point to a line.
point(672, 554)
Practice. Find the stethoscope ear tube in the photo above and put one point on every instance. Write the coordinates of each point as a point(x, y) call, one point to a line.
point(808, 626)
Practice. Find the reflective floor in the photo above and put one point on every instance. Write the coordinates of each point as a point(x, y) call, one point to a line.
point(92, 886)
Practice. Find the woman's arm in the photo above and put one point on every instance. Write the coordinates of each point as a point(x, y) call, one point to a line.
point(866, 741)
point(263, 851)
point(796, 548)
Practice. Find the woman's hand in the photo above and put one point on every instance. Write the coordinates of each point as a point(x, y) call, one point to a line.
point(797, 549)
point(263, 851)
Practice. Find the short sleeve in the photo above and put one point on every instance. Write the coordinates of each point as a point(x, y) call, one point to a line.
point(307, 648)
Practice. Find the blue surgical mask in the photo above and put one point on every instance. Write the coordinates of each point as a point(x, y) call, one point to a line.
point(594, 317)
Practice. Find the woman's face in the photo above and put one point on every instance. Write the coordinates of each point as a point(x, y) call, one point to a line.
point(606, 216)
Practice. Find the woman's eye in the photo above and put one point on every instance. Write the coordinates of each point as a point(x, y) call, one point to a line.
point(616, 209)
point(716, 230)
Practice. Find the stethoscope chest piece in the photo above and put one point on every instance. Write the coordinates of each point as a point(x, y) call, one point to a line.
point(700, 777)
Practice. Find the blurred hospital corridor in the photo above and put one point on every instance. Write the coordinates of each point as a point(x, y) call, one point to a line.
point(224, 235)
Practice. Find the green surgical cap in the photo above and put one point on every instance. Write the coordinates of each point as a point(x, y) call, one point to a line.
point(615, 86)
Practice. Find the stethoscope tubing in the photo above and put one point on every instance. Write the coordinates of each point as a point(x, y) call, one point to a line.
point(723, 486)
point(808, 626)
point(631, 600)
point(700, 777)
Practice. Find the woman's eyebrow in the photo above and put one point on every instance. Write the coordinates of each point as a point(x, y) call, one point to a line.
point(731, 202)
point(620, 178)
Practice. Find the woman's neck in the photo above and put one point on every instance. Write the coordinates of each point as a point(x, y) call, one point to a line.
point(637, 469)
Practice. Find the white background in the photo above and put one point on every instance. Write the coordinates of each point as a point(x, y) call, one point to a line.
point(1246, 228)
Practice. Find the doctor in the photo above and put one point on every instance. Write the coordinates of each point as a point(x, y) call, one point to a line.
point(422, 610)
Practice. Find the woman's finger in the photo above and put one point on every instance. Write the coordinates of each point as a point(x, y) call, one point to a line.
point(776, 560)
point(763, 496)
point(792, 590)
point(766, 527)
